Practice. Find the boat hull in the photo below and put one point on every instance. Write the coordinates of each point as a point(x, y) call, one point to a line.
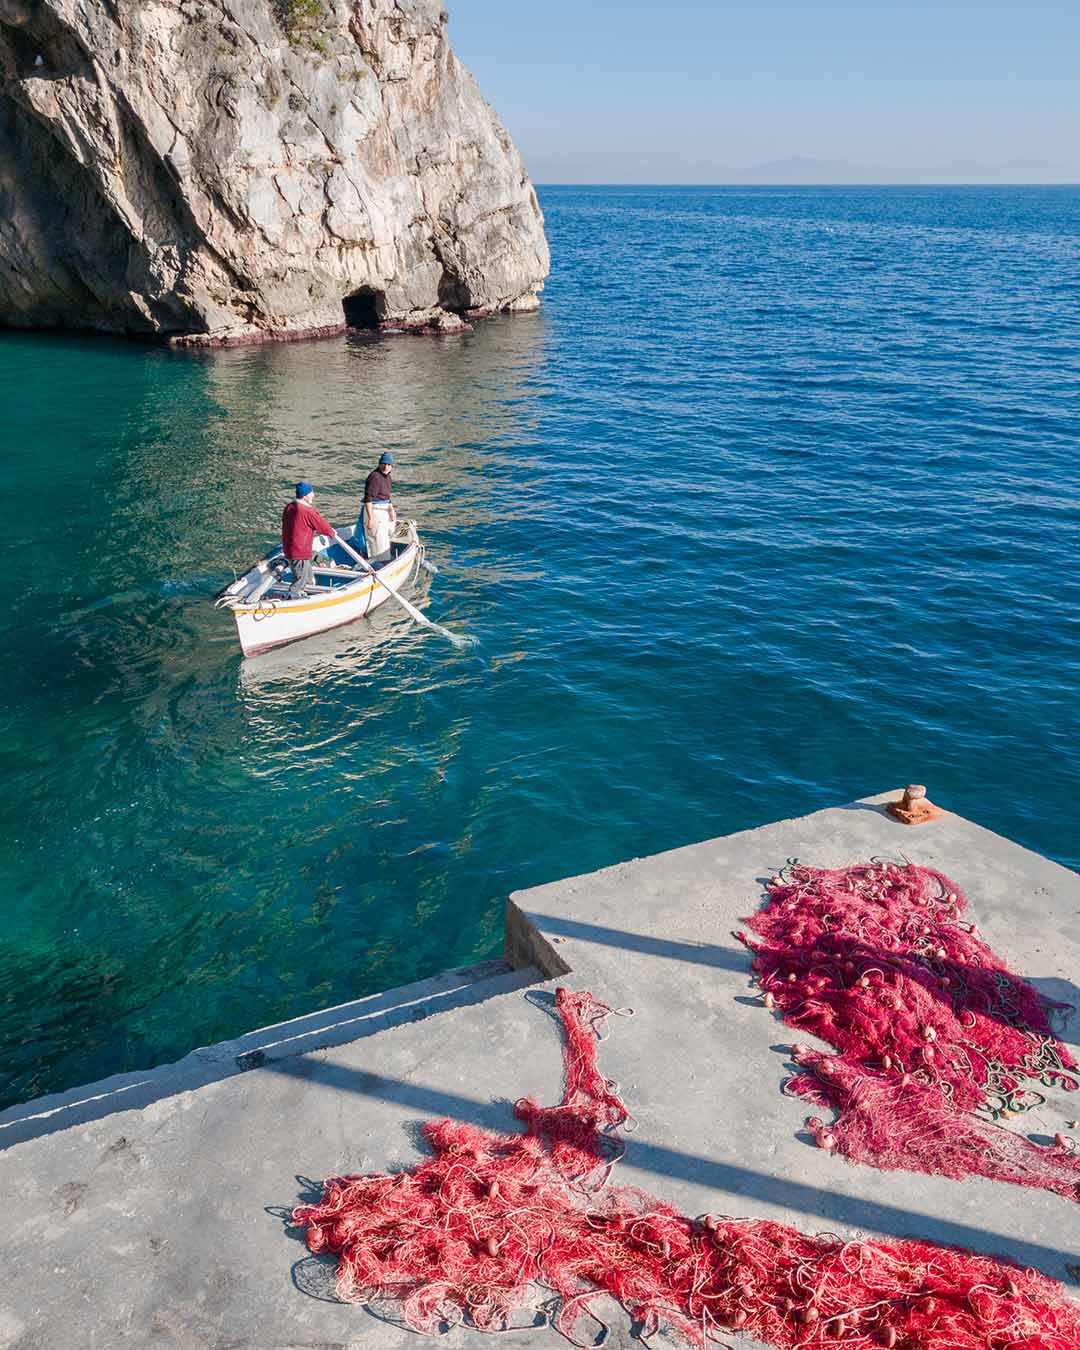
point(269, 623)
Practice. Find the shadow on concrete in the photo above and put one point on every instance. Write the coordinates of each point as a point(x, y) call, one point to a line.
point(316, 1276)
point(1065, 1019)
point(890, 1221)
point(262, 1049)
point(700, 953)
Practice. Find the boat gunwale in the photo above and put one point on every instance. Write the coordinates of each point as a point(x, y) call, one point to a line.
point(336, 595)
point(303, 604)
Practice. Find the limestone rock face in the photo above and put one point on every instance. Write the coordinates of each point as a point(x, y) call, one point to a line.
point(234, 170)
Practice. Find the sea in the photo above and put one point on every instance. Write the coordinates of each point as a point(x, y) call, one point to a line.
point(774, 504)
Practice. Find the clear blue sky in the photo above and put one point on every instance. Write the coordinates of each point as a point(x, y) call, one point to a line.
point(688, 91)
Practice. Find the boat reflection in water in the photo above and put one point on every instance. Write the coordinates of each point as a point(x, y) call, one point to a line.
point(334, 658)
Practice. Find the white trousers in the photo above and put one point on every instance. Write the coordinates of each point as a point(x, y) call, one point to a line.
point(377, 535)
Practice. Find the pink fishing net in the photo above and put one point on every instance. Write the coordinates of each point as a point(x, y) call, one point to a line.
point(936, 1039)
point(493, 1223)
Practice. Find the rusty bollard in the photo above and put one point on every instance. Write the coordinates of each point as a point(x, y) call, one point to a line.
point(913, 808)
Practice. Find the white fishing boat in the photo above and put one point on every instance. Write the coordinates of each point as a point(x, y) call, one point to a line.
point(344, 590)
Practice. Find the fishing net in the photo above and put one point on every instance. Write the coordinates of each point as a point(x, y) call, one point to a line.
point(465, 1237)
point(936, 1040)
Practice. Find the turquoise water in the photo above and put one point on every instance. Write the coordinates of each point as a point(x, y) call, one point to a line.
point(773, 505)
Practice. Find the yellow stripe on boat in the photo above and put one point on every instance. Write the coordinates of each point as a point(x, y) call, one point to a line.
point(350, 594)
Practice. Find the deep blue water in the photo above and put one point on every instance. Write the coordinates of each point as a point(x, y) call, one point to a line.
point(774, 504)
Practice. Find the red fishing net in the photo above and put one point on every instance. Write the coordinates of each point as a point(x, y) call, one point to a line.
point(466, 1235)
point(931, 1028)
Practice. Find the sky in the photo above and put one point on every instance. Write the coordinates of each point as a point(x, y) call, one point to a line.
point(684, 91)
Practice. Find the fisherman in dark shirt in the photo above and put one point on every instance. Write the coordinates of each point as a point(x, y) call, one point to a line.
point(377, 515)
point(300, 523)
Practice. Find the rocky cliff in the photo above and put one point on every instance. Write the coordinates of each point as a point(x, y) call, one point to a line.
point(235, 170)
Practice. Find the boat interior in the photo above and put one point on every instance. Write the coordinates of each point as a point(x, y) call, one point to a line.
point(333, 568)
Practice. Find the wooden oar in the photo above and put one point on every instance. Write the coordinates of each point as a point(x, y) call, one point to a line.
point(416, 614)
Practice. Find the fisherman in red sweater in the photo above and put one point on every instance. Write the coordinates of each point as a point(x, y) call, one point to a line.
point(300, 523)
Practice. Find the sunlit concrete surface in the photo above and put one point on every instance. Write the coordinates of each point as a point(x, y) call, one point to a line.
point(148, 1211)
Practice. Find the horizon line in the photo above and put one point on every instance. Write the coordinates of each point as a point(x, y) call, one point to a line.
point(982, 183)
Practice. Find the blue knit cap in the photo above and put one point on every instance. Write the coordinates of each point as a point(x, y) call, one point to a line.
point(386, 457)
point(303, 488)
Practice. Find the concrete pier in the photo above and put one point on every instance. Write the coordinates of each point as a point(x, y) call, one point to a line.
point(147, 1210)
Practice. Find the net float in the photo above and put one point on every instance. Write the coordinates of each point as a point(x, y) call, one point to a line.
point(492, 1247)
point(1064, 1141)
point(739, 1318)
point(665, 1250)
point(770, 1001)
point(930, 1306)
point(493, 1191)
point(826, 1067)
point(863, 982)
point(889, 1338)
point(809, 1314)
point(1011, 1289)
point(826, 1141)
point(792, 978)
point(886, 1061)
point(798, 1050)
point(929, 1034)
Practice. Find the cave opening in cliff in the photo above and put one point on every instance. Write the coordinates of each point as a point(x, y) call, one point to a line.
point(25, 51)
point(364, 309)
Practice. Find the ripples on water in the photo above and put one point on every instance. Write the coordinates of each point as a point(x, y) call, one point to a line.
point(773, 505)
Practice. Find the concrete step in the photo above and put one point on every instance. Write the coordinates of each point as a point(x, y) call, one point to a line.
point(315, 1031)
